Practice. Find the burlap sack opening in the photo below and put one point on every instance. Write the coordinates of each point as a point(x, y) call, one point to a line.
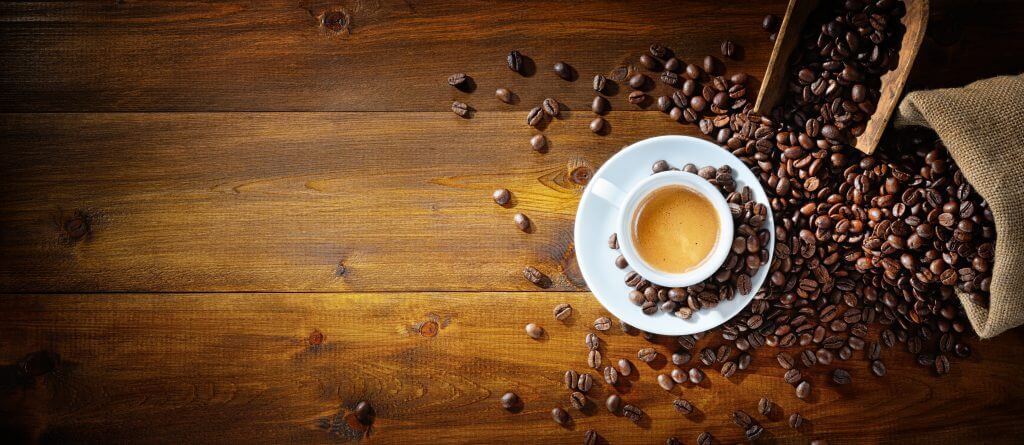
point(982, 125)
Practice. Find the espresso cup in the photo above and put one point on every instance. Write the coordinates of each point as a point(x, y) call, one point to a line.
point(627, 203)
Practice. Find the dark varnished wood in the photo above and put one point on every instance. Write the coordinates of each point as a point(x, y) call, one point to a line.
point(231, 368)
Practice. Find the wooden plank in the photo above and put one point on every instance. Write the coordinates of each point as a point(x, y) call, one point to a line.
point(240, 368)
point(293, 201)
point(395, 56)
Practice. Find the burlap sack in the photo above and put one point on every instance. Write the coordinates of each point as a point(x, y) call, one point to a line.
point(982, 125)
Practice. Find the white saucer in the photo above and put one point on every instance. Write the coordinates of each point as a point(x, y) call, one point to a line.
point(595, 222)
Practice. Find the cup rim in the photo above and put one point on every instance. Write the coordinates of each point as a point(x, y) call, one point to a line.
point(703, 187)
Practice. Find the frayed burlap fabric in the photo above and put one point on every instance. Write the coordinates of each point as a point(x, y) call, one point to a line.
point(982, 125)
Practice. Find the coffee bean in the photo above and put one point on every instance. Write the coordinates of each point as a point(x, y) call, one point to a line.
point(764, 406)
point(600, 83)
point(501, 196)
point(538, 142)
point(611, 376)
point(683, 406)
point(659, 166)
point(364, 412)
point(647, 355)
point(584, 382)
point(728, 48)
point(597, 125)
point(803, 390)
point(696, 376)
point(625, 367)
point(676, 114)
point(620, 262)
point(536, 277)
point(785, 360)
point(600, 105)
point(841, 376)
point(578, 400)
point(563, 311)
point(824, 356)
point(592, 341)
point(637, 97)
point(808, 358)
point(665, 382)
point(742, 419)
point(613, 241)
point(534, 331)
point(594, 359)
point(942, 365)
point(510, 401)
point(669, 78)
point(650, 62)
point(458, 80)
point(704, 438)
point(602, 323)
point(560, 416)
point(673, 64)
point(590, 437)
point(687, 341)
point(551, 107)
point(710, 64)
point(792, 376)
point(504, 95)
point(770, 22)
point(461, 109)
point(878, 368)
point(660, 51)
point(638, 81)
point(515, 61)
point(795, 420)
point(563, 70)
point(535, 117)
point(679, 376)
point(680, 358)
point(613, 403)
point(744, 361)
point(571, 380)
point(707, 356)
point(754, 432)
point(728, 369)
point(632, 413)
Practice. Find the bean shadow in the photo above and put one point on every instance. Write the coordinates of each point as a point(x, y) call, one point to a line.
point(468, 86)
point(528, 67)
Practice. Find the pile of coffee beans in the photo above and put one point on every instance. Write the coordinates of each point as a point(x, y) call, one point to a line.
point(748, 254)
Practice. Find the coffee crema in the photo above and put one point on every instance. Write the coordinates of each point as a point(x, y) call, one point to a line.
point(674, 229)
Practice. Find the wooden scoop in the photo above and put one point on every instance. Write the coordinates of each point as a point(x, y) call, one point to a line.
point(774, 84)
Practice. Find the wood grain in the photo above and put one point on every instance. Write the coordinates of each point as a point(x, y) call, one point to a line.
point(240, 368)
point(294, 201)
point(396, 55)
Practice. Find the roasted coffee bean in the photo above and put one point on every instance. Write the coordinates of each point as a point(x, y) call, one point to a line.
point(538, 142)
point(680, 358)
point(458, 80)
point(611, 376)
point(795, 420)
point(364, 412)
point(560, 416)
point(551, 107)
point(764, 406)
point(563, 311)
point(673, 64)
point(613, 403)
point(665, 382)
point(669, 78)
point(592, 341)
point(696, 376)
point(754, 432)
point(683, 406)
point(660, 51)
point(808, 358)
point(637, 97)
point(792, 376)
point(803, 390)
point(522, 222)
point(600, 83)
point(536, 277)
point(824, 356)
point(632, 413)
point(742, 419)
point(621, 263)
point(659, 166)
point(594, 359)
point(638, 81)
point(600, 105)
point(603, 323)
point(578, 400)
point(534, 331)
point(647, 355)
point(510, 401)
point(504, 95)
point(515, 61)
point(679, 376)
point(841, 376)
point(625, 367)
point(707, 356)
point(710, 64)
point(704, 438)
point(597, 125)
point(535, 117)
point(563, 70)
point(728, 369)
point(878, 368)
point(613, 241)
point(942, 365)
point(461, 109)
point(770, 22)
point(584, 382)
point(744, 361)
point(650, 62)
point(785, 360)
point(692, 72)
point(665, 104)
point(501, 196)
point(728, 48)
point(590, 437)
point(571, 380)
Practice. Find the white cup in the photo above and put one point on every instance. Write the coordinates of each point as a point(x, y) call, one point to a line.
point(627, 203)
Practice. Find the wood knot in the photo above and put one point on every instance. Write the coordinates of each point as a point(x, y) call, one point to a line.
point(336, 21)
point(316, 338)
point(75, 227)
point(427, 328)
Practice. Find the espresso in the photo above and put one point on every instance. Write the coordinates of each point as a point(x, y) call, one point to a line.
point(674, 229)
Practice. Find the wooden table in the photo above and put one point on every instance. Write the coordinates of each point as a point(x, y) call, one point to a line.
point(232, 223)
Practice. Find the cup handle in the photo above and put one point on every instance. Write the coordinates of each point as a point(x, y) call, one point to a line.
point(609, 192)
